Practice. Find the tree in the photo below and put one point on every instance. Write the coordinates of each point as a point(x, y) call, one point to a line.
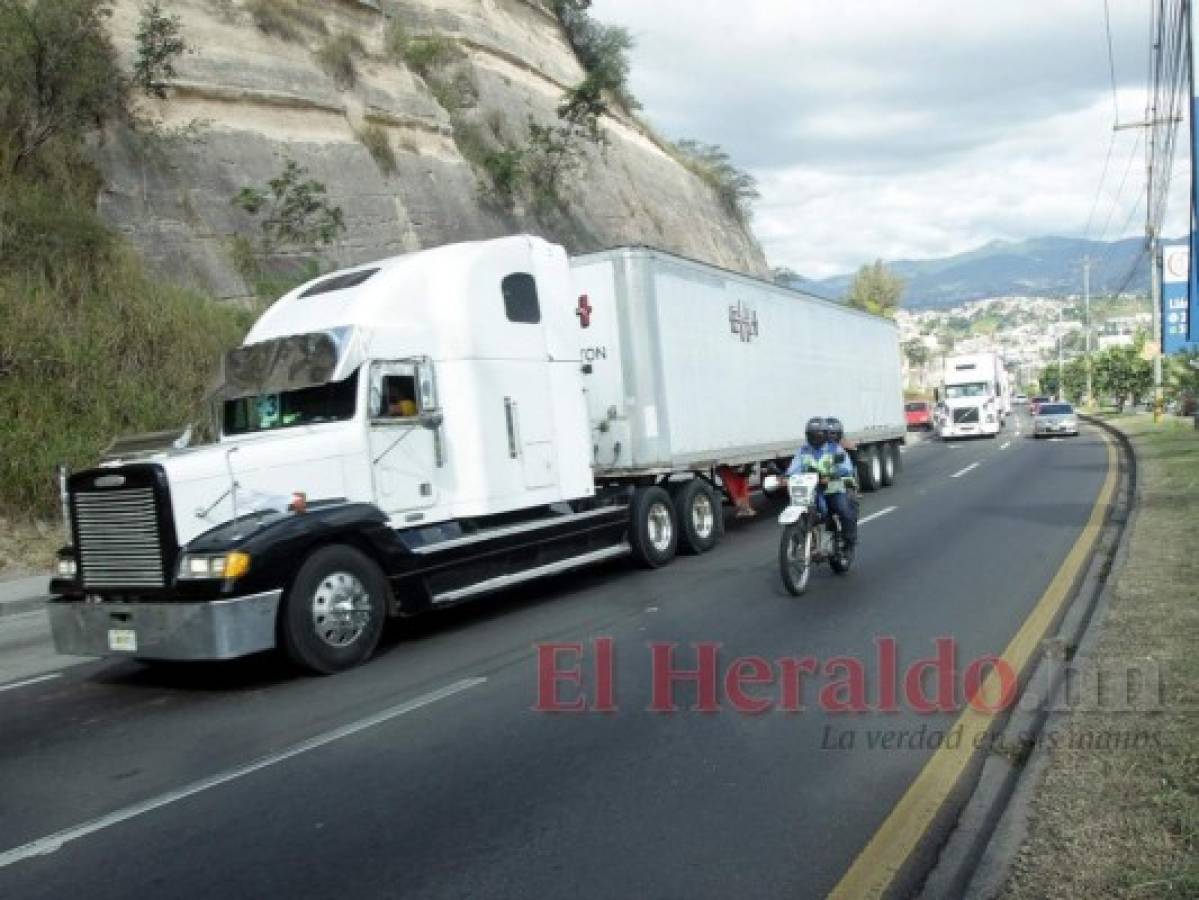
point(1122, 373)
point(916, 352)
point(735, 188)
point(876, 289)
point(159, 44)
point(297, 215)
point(59, 78)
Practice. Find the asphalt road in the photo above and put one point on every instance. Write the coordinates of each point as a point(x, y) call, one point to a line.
point(443, 781)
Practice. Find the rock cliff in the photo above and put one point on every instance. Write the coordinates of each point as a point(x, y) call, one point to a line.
point(246, 99)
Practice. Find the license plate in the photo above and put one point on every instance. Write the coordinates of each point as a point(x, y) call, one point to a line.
point(122, 639)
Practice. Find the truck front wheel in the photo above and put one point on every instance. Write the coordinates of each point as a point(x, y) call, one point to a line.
point(699, 515)
point(890, 459)
point(653, 529)
point(333, 614)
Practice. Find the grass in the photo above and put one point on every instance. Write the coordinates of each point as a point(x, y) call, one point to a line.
point(94, 352)
point(429, 53)
point(336, 56)
point(1124, 821)
point(374, 138)
point(287, 20)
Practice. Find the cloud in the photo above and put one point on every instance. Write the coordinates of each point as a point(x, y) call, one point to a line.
point(900, 129)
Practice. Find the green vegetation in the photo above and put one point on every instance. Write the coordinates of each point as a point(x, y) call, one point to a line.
point(295, 219)
point(1121, 818)
point(87, 334)
point(287, 20)
point(603, 51)
point(78, 367)
point(917, 353)
point(159, 44)
point(427, 54)
point(735, 188)
point(1119, 375)
point(876, 289)
point(374, 138)
point(336, 56)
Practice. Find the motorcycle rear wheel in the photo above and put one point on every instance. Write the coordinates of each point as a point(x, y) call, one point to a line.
point(795, 557)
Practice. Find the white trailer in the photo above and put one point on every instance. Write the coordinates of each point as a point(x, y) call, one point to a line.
point(422, 430)
point(974, 395)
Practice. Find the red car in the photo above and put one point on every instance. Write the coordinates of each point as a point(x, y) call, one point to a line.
point(919, 414)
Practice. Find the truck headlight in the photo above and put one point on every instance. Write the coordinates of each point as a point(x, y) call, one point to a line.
point(214, 565)
point(66, 567)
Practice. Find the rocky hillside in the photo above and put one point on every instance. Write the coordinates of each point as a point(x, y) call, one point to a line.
point(411, 149)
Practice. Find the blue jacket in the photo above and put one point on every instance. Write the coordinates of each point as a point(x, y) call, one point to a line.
point(822, 460)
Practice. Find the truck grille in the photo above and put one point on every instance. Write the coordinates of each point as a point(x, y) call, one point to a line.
point(118, 540)
point(965, 416)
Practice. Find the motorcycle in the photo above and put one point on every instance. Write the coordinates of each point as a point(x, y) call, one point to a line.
point(809, 536)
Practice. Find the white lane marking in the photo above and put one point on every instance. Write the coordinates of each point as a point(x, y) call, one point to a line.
point(28, 681)
point(53, 842)
point(965, 470)
point(1005, 445)
point(877, 515)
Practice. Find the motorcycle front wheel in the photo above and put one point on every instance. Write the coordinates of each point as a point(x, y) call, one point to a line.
point(795, 556)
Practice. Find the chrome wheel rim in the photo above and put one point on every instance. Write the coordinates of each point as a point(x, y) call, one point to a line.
point(890, 466)
point(661, 528)
point(703, 516)
point(341, 609)
point(876, 468)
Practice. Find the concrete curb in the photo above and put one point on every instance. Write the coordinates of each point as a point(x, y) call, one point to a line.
point(977, 856)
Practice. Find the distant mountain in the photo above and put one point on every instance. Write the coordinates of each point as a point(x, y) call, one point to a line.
point(1046, 267)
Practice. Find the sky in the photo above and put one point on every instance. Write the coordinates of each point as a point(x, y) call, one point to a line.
point(907, 129)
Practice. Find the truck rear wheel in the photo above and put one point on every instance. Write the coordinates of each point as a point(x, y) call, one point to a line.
point(870, 469)
point(653, 529)
point(333, 614)
point(890, 460)
point(699, 515)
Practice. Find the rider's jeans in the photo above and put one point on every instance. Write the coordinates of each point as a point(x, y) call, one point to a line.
point(840, 505)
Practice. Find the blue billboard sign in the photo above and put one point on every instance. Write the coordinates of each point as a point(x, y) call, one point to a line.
point(1180, 319)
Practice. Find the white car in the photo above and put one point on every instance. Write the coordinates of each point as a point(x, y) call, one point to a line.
point(1054, 418)
point(1021, 399)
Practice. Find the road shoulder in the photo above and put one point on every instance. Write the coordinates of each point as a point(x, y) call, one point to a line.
point(1108, 805)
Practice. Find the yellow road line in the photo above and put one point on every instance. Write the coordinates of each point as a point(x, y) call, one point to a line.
point(901, 832)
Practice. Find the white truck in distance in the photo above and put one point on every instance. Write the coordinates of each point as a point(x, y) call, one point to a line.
point(425, 429)
point(975, 396)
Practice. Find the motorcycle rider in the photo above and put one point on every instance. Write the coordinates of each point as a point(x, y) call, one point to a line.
point(836, 437)
point(833, 466)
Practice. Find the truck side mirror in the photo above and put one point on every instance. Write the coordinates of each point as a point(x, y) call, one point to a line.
point(431, 420)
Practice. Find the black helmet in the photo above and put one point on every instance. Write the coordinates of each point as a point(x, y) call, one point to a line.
point(836, 431)
point(816, 432)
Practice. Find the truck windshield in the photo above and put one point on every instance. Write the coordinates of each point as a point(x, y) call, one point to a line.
point(972, 389)
point(333, 402)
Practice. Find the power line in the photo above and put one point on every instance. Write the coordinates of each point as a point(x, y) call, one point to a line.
point(1086, 232)
point(1111, 59)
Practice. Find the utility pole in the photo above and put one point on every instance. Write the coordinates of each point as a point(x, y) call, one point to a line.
point(1155, 300)
point(1061, 389)
point(1086, 294)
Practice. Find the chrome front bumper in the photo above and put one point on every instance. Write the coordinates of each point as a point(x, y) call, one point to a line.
point(175, 630)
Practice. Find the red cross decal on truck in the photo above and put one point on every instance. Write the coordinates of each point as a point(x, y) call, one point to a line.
point(584, 312)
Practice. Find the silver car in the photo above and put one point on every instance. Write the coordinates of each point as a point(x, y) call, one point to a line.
point(1054, 418)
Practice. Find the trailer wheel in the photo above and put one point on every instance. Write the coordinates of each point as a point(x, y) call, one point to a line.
point(333, 614)
point(870, 469)
point(653, 529)
point(890, 460)
point(699, 515)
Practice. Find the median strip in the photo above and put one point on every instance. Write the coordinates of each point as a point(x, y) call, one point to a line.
point(52, 843)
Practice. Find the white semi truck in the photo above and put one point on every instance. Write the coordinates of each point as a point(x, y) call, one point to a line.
point(975, 396)
point(426, 429)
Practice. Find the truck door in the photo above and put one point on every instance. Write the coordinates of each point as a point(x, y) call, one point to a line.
point(405, 435)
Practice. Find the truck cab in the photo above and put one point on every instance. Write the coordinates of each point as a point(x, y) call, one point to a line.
point(414, 410)
point(973, 396)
